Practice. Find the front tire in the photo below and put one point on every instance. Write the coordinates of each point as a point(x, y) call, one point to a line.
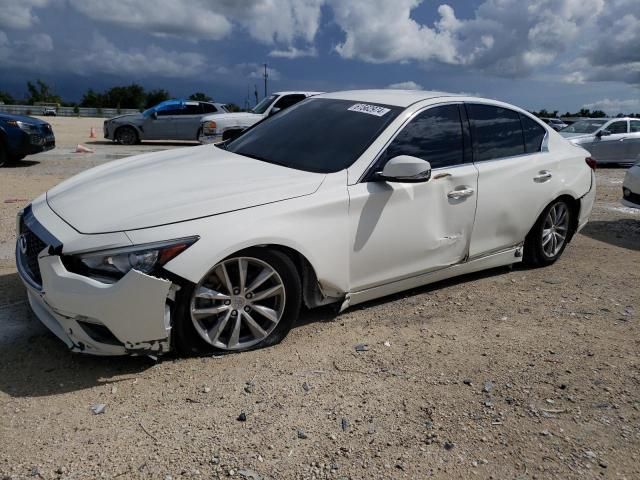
point(126, 136)
point(549, 236)
point(247, 301)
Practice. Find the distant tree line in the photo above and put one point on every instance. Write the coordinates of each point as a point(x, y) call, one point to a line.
point(132, 96)
point(583, 112)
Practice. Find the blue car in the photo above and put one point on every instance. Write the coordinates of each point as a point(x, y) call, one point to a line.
point(21, 136)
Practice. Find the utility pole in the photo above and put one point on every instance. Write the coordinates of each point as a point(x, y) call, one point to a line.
point(266, 75)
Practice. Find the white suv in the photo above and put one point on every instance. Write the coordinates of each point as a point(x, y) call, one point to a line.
point(218, 128)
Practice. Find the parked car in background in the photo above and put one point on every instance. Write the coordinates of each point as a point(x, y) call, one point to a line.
point(169, 120)
point(49, 112)
point(21, 136)
point(555, 123)
point(342, 198)
point(220, 128)
point(609, 140)
point(631, 187)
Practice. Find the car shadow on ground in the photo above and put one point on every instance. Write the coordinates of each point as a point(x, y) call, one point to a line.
point(623, 232)
point(21, 164)
point(35, 363)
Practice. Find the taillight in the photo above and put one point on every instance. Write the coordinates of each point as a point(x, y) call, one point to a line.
point(591, 162)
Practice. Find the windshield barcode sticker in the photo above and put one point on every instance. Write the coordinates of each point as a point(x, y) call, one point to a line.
point(370, 109)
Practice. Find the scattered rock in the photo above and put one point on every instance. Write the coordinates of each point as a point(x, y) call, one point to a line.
point(387, 343)
point(362, 347)
point(242, 417)
point(248, 388)
point(344, 423)
point(545, 433)
point(488, 386)
point(306, 387)
point(249, 474)
point(467, 381)
point(603, 464)
point(488, 403)
point(98, 408)
point(449, 445)
point(302, 435)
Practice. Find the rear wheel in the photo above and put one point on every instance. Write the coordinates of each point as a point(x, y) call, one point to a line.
point(247, 301)
point(549, 236)
point(126, 136)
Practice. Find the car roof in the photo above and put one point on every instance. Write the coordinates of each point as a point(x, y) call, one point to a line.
point(400, 98)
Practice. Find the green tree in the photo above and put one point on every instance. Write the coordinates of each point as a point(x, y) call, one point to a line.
point(200, 97)
point(6, 98)
point(92, 99)
point(130, 96)
point(154, 97)
point(232, 107)
point(41, 92)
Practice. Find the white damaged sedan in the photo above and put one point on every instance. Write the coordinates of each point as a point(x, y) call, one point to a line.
point(342, 198)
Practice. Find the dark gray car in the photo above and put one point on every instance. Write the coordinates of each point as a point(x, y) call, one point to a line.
point(169, 120)
point(608, 140)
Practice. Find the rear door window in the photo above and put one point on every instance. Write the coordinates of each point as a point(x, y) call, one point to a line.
point(497, 132)
point(533, 134)
point(635, 126)
point(208, 108)
point(434, 135)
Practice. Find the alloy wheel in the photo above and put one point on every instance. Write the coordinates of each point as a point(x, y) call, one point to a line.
point(238, 304)
point(555, 229)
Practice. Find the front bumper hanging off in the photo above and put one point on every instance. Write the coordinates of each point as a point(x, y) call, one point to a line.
point(130, 316)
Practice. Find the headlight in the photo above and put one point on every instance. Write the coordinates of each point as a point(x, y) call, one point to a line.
point(144, 258)
point(21, 125)
point(209, 128)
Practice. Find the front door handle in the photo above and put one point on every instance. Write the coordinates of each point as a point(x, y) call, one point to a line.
point(544, 176)
point(463, 193)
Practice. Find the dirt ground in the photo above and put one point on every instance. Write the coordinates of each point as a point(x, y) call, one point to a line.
point(507, 374)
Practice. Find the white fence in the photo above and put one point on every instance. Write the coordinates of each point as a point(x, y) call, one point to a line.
point(66, 111)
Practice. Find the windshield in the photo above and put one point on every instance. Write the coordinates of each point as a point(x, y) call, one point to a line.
point(584, 126)
point(316, 135)
point(264, 104)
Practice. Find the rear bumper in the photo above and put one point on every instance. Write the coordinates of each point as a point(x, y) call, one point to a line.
point(586, 204)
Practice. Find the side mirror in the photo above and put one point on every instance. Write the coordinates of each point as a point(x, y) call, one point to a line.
point(603, 133)
point(406, 169)
point(274, 110)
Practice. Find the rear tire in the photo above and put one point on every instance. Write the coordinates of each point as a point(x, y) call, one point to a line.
point(126, 136)
point(549, 236)
point(218, 316)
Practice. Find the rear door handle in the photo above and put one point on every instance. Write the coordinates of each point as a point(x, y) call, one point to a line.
point(544, 176)
point(463, 193)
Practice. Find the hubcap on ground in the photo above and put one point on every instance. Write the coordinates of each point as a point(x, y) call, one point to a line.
point(238, 303)
point(554, 231)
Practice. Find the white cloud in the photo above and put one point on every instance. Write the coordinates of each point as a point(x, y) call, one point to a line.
point(408, 85)
point(293, 52)
point(19, 13)
point(615, 106)
point(271, 22)
point(37, 48)
point(105, 57)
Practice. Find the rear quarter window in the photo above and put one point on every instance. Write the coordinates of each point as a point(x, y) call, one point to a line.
point(533, 134)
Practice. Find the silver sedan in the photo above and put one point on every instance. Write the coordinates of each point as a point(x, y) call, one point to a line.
point(615, 140)
point(170, 120)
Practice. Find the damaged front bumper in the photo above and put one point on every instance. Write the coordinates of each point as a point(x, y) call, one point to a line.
point(130, 316)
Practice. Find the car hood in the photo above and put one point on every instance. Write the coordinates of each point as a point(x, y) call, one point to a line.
point(22, 118)
point(126, 117)
point(238, 118)
point(173, 186)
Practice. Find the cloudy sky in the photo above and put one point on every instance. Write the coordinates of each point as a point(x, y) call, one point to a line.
point(555, 54)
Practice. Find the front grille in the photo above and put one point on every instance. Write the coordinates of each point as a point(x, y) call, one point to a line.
point(29, 246)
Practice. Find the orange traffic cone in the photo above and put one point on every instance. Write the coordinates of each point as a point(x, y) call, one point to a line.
point(83, 149)
point(92, 133)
